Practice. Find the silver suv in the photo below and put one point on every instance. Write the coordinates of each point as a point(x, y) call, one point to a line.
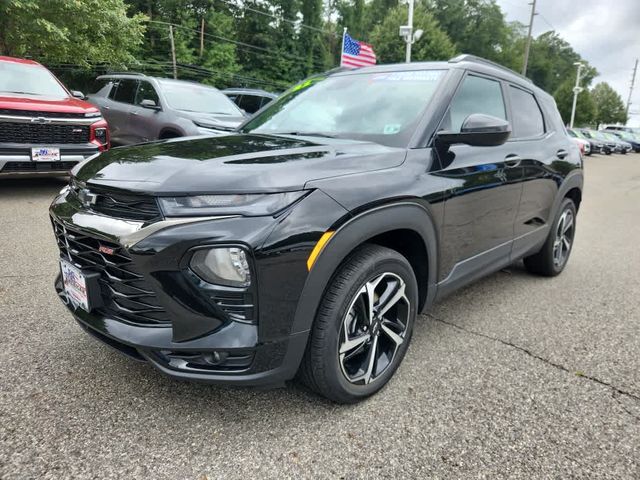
point(140, 108)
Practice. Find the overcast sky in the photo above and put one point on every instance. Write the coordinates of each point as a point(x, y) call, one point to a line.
point(604, 32)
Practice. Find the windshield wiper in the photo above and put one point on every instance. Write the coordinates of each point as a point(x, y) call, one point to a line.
point(307, 134)
point(21, 93)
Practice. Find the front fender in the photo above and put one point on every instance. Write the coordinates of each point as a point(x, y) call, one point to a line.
point(356, 231)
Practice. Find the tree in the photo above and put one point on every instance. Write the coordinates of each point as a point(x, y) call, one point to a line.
point(609, 105)
point(585, 106)
point(474, 26)
point(62, 31)
point(390, 47)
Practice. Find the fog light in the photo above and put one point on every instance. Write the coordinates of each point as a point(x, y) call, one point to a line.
point(222, 266)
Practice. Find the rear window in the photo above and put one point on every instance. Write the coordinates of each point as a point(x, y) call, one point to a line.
point(125, 91)
point(250, 103)
point(527, 118)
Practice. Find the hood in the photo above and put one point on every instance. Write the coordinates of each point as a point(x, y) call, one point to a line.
point(211, 120)
point(45, 104)
point(233, 163)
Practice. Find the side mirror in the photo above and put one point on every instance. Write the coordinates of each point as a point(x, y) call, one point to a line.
point(78, 94)
point(150, 104)
point(478, 130)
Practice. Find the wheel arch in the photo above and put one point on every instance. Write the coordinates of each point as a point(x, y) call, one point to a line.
point(570, 188)
point(383, 226)
point(169, 132)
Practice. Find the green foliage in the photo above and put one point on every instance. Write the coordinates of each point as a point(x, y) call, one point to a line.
point(390, 47)
point(475, 26)
point(64, 31)
point(585, 106)
point(609, 105)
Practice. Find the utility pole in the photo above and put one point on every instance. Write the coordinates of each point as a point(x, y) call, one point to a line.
point(528, 45)
point(633, 81)
point(576, 90)
point(202, 36)
point(173, 53)
point(410, 36)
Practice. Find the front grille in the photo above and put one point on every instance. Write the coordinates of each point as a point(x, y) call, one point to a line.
point(126, 294)
point(126, 206)
point(43, 133)
point(37, 166)
point(30, 113)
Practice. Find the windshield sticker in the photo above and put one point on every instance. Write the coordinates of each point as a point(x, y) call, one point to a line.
point(414, 76)
point(391, 128)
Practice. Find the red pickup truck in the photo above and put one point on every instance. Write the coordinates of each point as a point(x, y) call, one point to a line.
point(44, 128)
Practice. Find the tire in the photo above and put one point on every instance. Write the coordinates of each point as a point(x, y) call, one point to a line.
point(550, 261)
point(337, 362)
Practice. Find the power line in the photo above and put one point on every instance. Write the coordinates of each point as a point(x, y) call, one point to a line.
point(236, 42)
point(296, 23)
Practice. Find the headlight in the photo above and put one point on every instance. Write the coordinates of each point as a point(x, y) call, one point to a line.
point(247, 204)
point(222, 266)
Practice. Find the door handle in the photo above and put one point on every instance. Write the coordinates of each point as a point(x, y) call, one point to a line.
point(134, 112)
point(512, 161)
point(561, 154)
point(106, 108)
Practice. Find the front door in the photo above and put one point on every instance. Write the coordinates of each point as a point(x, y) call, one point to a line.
point(485, 185)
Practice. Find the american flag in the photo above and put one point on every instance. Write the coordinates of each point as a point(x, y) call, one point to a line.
point(356, 54)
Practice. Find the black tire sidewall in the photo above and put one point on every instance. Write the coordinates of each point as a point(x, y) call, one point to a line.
point(372, 268)
point(567, 204)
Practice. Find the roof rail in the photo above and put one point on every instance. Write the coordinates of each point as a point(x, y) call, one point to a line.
point(466, 57)
point(125, 73)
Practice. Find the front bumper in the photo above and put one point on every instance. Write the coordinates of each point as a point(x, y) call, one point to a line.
point(195, 339)
point(15, 159)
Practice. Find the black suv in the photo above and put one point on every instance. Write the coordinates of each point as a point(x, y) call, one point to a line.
point(308, 242)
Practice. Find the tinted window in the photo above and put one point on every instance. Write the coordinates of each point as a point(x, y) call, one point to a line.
point(250, 103)
point(99, 84)
point(126, 91)
point(146, 92)
point(476, 95)
point(527, 117)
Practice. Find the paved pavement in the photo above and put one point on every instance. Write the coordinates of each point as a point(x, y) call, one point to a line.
point(513, 377)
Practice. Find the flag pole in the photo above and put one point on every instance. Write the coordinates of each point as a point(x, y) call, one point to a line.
point(344, 32)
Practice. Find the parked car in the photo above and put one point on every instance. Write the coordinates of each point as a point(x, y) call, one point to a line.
point(606, 146)
point(632, 139)
point(620, 145)
point(44, 128)
point(595, 145)
point(583, 143)
point(309, 240)
point(248, 99)
point(140, 108)
point(621, 128)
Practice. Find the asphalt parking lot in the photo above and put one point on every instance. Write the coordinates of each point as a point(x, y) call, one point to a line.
point(513, 377)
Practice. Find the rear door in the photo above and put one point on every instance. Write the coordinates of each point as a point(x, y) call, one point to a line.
point(539, 146)
point(118, 106)
point(143, 122)
point(484, 189)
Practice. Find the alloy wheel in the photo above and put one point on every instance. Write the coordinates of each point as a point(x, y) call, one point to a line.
point(564, 238)
point(373, 328)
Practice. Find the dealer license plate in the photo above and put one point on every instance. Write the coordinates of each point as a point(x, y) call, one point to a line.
point(75, 285)
point(45, 154)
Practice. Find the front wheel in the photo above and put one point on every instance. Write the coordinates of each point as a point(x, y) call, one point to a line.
point(363, 326)
point(554, 254)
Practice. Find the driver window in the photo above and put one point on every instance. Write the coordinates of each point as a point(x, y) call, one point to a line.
point(146, 92)
point(476, 95)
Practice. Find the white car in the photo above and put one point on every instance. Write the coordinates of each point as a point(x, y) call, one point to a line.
point(584, 145)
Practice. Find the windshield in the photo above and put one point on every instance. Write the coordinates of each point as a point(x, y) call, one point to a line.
point(383, 107)
point(191, 97)
point(29, 80)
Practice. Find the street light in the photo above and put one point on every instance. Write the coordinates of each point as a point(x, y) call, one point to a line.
point(576, 90)
point(406, 32)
